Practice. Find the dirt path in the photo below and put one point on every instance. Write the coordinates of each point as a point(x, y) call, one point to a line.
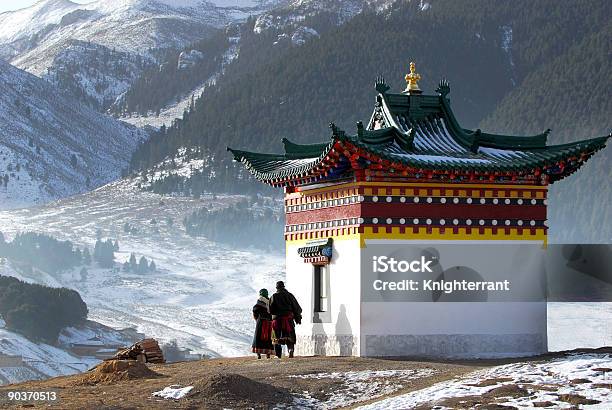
point(246, 382)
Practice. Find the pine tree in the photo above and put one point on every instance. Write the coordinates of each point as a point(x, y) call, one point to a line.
point(143, 265)
point(83, 274)
point(86, 257)
point(133, 263)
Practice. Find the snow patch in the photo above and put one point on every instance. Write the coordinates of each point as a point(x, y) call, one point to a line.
point(424, 5)
point(174, 392)
point(544, 381)
point(302, 35)
point(189, 58)
point(506, 45)
point(506, 41)
point(358, 386)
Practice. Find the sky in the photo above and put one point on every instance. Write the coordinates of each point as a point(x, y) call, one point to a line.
point(7, 5)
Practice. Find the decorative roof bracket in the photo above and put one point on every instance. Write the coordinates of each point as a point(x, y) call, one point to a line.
point(443, 88)
point(380, 85)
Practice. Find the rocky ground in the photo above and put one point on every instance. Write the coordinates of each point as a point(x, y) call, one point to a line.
point(239, 383)
point(326, 382)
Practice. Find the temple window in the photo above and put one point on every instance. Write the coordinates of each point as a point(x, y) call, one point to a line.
point(321, 291)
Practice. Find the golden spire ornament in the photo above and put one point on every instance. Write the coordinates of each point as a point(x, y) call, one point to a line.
point(412, 79)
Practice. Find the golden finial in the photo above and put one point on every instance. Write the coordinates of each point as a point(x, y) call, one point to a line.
point(412, 79)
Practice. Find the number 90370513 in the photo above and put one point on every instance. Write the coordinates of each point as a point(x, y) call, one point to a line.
point(31, 396)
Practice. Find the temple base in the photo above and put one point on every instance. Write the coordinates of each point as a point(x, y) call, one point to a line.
point(327, 345)
point(455, 346)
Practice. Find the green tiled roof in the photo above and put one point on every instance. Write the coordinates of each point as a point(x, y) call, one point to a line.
point(421, 132)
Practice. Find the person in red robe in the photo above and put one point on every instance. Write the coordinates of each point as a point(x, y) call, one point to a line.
point(262, 341)
point(286, 312)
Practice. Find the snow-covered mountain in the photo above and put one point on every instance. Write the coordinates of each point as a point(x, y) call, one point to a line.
point(113, 40)
point(50, 147)
point(31, 38)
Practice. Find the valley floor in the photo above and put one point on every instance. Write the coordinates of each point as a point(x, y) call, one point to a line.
point(558, 381)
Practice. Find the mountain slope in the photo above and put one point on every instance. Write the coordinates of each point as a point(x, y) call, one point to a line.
point(93, 73)
point(570, 95)
point(50, 148)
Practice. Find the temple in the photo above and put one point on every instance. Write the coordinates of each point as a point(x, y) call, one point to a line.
point(412, 177)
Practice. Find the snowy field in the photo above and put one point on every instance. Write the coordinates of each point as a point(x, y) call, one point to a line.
point(573, 325)
point(202, 294)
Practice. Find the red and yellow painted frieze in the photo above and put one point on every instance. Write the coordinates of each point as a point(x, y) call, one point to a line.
point(431, 211)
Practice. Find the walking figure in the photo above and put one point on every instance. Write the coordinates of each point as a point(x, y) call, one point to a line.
point(262, 341)
point(286, 312)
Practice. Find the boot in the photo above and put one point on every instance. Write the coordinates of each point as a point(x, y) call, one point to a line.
point(259, 355)
point(291, 353)
point(268, 356)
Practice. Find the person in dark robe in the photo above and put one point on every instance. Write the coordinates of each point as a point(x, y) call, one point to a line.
point(262, 341)
point(286, 312)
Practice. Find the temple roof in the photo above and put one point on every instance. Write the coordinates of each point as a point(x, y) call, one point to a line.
point(416, 136)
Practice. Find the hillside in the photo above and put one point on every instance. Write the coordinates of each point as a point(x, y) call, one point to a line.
point(490, 52)
point(568, 94)
point(50, 148)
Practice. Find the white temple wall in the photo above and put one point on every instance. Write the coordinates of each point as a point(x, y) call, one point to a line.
point(336, 331)
point(353, 324)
